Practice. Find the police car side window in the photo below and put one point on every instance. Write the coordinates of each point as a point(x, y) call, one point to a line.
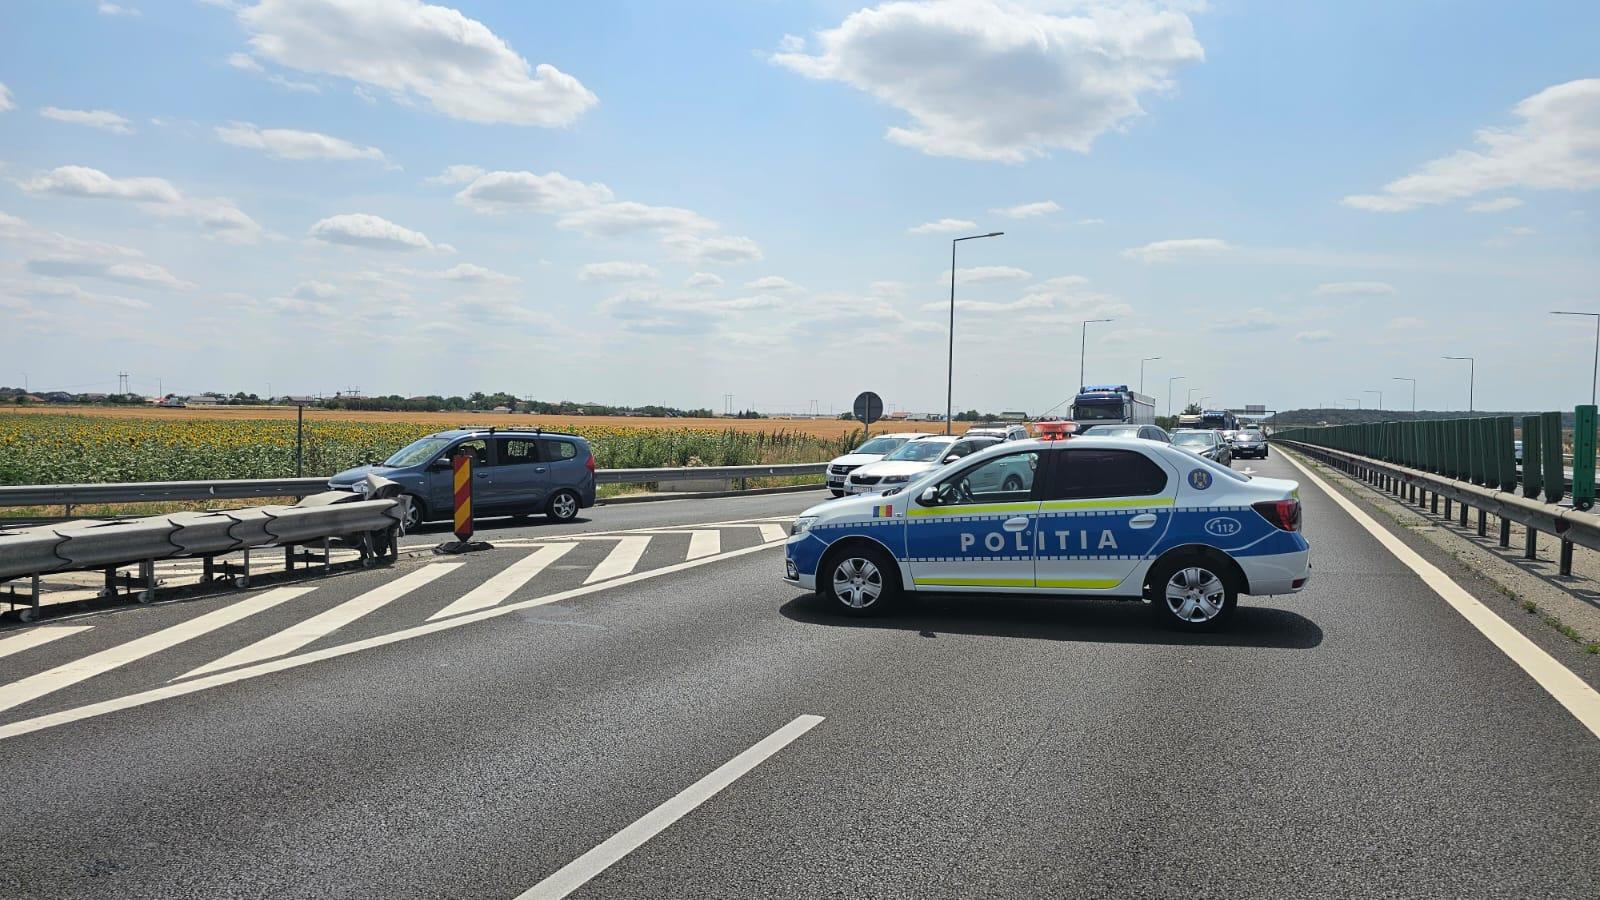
point(1079, 474)
point(1001, 479)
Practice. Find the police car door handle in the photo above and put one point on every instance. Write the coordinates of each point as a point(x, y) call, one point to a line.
point(1144, 520)
point(1016, 523)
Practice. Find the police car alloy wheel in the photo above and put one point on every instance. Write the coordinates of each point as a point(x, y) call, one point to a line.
point(563, 506)
point(1190, 593)
point(860, 581)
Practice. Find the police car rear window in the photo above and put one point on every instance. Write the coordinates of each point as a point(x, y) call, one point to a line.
point(1083, 473)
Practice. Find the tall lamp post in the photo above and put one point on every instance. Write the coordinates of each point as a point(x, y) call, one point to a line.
point(1595, 379)
point(1472, 377)
point(1380, 398)
point(1083, 347)
point(1413, 389)
point(950, 370)
point(1169, 392)
point(1141, 370)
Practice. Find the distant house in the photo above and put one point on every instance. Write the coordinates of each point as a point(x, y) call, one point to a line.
point(205, 400)
point(501, 410)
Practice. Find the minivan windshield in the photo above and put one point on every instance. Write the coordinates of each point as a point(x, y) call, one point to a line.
point(880, 445)
point(923, 450)
point(416, 452)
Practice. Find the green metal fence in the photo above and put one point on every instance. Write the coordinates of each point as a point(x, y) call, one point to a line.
point(1480, 450)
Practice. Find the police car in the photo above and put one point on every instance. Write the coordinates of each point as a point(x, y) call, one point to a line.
point(1119, 518)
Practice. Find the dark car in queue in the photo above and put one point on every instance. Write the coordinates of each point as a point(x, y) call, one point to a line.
point(1203, 442)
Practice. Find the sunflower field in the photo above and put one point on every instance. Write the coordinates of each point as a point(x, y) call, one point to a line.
point(69, 449)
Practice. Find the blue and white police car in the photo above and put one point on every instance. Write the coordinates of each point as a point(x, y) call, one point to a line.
point(1119, 518)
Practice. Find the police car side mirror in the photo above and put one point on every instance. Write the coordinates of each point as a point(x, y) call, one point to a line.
point(952, 457)
point(929, 495)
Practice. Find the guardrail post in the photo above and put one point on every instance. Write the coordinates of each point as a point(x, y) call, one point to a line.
point(1583, 457)
point(1555, 482)
point(1566, 559)
point(1532, 479)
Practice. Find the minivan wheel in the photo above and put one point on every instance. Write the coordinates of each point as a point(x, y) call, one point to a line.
point(415, 514)
point(562, 507)
point(859, 581)
point(1192, 593)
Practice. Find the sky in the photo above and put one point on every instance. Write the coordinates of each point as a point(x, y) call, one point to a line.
point(1290, 204)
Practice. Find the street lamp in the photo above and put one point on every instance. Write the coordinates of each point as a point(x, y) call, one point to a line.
point(1141, 370)
point(1596, 378)
point(1413, 389)
point(1380, 398)
point(1169, 392)
point(1083, 347)
point(1472, 377)
point(950, 371)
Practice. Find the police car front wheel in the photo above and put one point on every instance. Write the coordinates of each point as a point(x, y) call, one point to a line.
point(1192, 594)
point(860, 581)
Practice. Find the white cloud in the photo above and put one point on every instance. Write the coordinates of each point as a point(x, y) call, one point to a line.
point(1029, 210)
point(1498, 204)
point(703, 279)
point(775, 284)
point(245, 62)
point(467, 273)
point(112, 9)
point(54, 291)
point(415, 50)
point(218, 216)
point(6, 103)
point(985, 275)
point(1254, 319)
point(1339, 288)
point(996, 80)
point(369, 231)
point(455, 175)
point(718, 250)
point(618, 270)
point(1402, 323)
point(94, 118)
point(1318, 336)
point(1090, 222)
point(497, 192)
point(944, 226)
point(1174, 250)
point(288, 143)
point(1521, 231)
point(1555, 147)
point(622, 217)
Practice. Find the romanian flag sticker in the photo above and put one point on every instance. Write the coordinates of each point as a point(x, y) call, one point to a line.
point(885, 511)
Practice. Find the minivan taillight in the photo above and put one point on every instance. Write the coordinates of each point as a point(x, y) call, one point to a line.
point(1283, 514)
point(590, 462)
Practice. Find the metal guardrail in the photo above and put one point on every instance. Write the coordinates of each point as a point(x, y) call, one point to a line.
point(70, 495)
point(1425, 489)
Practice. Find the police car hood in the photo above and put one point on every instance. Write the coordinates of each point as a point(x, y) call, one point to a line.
point(849, 505)
point(896, 467)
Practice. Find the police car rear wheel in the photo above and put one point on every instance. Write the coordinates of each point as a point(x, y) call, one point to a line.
point(861, 582)
point(1191, 594)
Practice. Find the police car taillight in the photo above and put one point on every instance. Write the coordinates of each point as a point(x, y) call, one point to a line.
point(1283, 514)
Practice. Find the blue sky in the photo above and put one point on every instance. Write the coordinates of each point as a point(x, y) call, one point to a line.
point(1289, 203)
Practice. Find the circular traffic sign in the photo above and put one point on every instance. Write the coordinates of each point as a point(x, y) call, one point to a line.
point(869, 407)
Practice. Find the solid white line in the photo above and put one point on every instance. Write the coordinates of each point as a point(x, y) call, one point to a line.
point(71, 673)
point(1569, 690)
point(33, 637)
point(506, 582)
point(326, 622)
point(621, 560)
point(50, 720)
point(575, 874)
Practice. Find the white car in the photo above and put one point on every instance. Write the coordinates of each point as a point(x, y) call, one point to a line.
point(870, 452)
point(1003, 432)
point(1119, 518)
point(912, 459)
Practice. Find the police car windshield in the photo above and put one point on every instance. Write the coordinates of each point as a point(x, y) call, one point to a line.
point(880, 445)
point(922, 451)
point(416, 452)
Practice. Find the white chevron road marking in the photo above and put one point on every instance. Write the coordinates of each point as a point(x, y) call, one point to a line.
point(506, 582)
point(33, 637)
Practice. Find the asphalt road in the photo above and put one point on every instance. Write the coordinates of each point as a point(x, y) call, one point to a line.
point(1358, 739)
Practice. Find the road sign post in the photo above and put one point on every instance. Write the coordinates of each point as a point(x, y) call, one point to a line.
point(461, 491)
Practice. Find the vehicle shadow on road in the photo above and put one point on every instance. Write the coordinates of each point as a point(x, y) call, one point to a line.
point(497, 523)
point(1065, 619)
